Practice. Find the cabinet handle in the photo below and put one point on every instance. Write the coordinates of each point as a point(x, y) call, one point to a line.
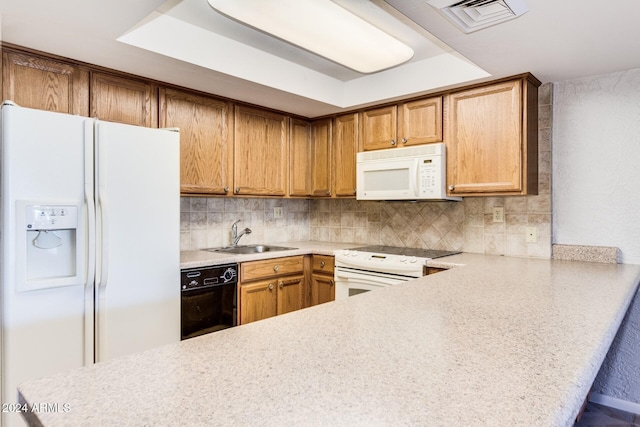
point(404, 140)
point(237, 190)
point(331, 282)
point(393, 142)
point(275, 268)
point(452, 187)
point(226, 189)
point(322, 264)
point(270, 286)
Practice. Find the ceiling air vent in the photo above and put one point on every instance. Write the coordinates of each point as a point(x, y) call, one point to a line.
point(474, 15)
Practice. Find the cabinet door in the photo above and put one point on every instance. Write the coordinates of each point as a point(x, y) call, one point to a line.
point(321, 158)
point(205, 147)
point(260, 164)
point(122, 100)
point(322, 289)
point(378, 128)
point(345, 147)
point(300, 157)
point(45, 84)
point(290, 292)
point(485, 152)
point(258, 301)
point(420, 122)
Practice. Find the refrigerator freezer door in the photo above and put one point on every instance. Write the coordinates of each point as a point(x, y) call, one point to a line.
point(44, 330)
point(138, 227)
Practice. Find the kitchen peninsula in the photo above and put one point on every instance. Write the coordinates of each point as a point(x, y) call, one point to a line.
point(493, 341)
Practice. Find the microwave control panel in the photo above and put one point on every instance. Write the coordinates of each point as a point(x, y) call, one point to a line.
point(430, 175)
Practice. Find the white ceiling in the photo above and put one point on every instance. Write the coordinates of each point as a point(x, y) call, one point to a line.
point(185, 42)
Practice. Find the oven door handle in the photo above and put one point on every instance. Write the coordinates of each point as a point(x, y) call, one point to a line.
point(353, 277)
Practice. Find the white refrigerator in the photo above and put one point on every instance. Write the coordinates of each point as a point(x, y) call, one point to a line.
point(90, 215)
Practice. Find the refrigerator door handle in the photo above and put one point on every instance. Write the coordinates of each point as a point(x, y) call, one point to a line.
point(104, 244)
point(89, 347)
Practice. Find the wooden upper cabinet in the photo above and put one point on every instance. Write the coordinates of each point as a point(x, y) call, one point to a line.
point(205, 145)
point(321, 163)
point(345, 147)
point(420, 122)
point(123, 100)
point(410, 123)
point(378, 128)
point(45, 84)
point(493, 144)
point(300, 158)
point(260, 163)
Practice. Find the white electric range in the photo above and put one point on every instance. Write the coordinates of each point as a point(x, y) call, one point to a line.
point(368, 268)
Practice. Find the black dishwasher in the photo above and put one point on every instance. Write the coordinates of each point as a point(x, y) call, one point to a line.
point(208, 299)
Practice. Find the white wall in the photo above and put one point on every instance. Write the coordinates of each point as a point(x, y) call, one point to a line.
point(596, 194)
point(596, 162)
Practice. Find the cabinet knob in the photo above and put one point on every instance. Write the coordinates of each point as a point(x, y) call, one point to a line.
point(404, 140)
point(331, 282)
point(393, 142)
point(322, 264)
point(328, 193)
point(270, 286)
point(281, 285)
point(226, 189)
point(355, 191)
point(275, 268)
point(452, 187)
point(237, 190)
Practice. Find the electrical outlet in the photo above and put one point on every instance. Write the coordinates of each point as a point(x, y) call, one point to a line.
point(498, 214)
point(531, 235)
point(277, 212)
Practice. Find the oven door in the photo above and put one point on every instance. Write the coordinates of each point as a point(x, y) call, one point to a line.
point(351, 282)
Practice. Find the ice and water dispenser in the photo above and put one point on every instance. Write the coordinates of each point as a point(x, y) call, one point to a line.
point(49, 245)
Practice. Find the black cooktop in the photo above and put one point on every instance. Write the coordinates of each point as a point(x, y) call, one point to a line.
point(416, 252)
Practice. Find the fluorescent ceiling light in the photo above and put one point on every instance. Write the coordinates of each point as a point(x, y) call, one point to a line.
point(322, 27)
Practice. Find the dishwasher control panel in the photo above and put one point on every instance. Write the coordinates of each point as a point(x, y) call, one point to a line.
point(203, 277)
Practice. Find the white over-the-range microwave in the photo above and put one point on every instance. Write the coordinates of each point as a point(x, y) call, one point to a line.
point(408, 173)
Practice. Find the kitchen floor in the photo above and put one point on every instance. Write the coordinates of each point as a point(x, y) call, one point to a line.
point(602, 416)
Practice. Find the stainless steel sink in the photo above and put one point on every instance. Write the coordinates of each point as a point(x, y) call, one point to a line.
point(249, 249)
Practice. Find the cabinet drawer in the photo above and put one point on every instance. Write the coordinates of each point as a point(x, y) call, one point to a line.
point(323, 263)
point(255, 270)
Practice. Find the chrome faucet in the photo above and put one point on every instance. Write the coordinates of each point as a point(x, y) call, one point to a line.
point(235, 237)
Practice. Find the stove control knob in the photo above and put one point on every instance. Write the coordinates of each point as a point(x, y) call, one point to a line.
point(354, 253)
point(346, 252)
point(403, 258)
point(413, 260)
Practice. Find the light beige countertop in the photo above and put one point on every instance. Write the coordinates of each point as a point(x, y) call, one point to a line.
point(191, 259)
point(495, 341)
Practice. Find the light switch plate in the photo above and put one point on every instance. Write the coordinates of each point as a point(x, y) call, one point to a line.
point(277, 212)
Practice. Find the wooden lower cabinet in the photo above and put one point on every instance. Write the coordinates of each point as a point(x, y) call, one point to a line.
point(270, 287)
point(322, 284)
point(258, 301)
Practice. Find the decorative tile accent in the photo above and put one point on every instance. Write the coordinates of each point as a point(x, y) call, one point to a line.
point(603, 254)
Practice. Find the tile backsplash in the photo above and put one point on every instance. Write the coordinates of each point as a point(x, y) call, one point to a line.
point(466, 225)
